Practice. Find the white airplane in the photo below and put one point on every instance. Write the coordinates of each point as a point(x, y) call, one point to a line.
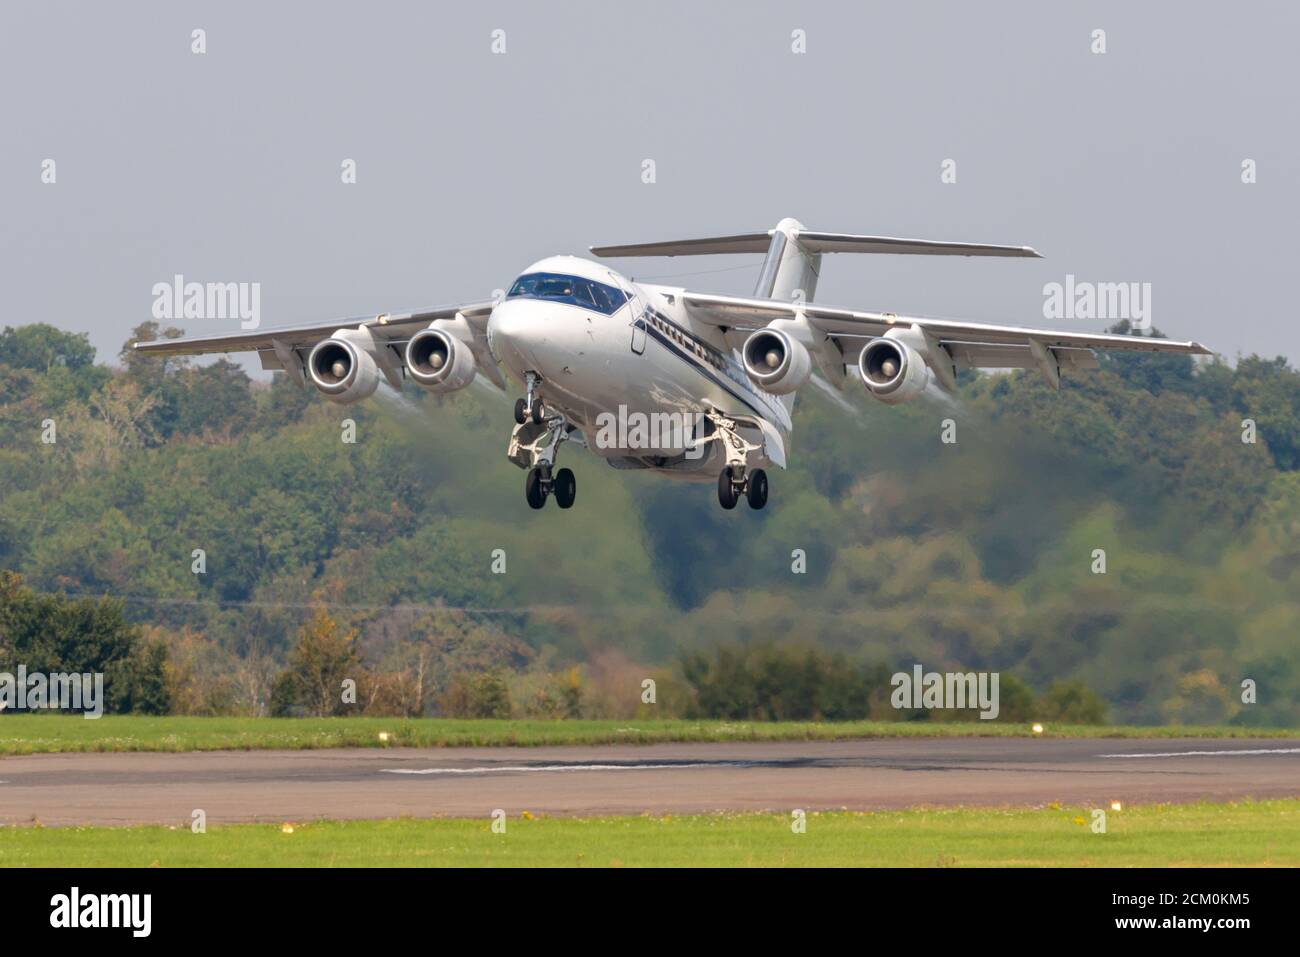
point(593, 348)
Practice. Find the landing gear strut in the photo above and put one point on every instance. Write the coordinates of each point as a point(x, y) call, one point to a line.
point(533, 446)
point(734, 480)
point(530, 407)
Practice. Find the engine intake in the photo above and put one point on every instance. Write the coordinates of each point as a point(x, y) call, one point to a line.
point(342, 371)
point(892, 371)
point(776, 362)
point(438, 361)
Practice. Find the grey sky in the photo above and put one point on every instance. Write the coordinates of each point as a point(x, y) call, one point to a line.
point(226, 166)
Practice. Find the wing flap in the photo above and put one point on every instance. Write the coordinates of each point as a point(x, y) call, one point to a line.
point(986, 355)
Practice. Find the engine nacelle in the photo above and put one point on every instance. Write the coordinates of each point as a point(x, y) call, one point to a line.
point(775, 361)
point(438, 361)
point(893, 371)
point(342, 370)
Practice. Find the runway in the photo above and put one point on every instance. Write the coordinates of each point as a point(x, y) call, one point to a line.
point(231, 786)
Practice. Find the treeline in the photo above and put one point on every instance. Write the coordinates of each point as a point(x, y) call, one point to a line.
point(51, 634)
point(1136, 533)
point(772, 682)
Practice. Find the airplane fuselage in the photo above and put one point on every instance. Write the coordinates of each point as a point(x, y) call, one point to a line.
point(624, 351)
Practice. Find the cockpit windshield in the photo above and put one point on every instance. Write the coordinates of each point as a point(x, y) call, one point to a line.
point(573, 290)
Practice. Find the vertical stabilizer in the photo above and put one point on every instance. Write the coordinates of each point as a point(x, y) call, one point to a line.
point(790, 271)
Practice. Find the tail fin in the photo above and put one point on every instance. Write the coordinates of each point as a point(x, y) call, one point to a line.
point(794, 254)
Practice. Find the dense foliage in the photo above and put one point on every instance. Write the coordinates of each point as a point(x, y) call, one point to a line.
point(982, 554)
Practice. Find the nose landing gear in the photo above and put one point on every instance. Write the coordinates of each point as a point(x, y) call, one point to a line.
point(530, 407)
point(534, 445)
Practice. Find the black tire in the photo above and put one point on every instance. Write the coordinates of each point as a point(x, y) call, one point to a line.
point(521, 411)
point(565, 488)
point(757, 490)
point(537, 411)
point(727, 496)
point(534, 491)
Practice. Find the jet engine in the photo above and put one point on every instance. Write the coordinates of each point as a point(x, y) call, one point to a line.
point(438, 361)
point(776, 362)
point(343, 371)
point(893, 371)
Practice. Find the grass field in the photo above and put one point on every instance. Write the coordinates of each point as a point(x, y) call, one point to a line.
point(48, 733)
point(1265, 833)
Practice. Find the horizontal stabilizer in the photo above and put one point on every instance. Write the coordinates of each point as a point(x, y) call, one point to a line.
point(712, 245)
point(845, 243)
point(811, 242)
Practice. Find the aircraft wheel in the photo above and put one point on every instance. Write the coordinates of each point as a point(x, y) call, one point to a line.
point(537, 411)
point(566, 488)
point(757, 490)
point(521, 411)
point(534, 491)
point(727, 496)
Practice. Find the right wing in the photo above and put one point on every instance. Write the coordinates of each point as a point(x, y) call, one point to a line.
point(287, 347)
point(840, 334)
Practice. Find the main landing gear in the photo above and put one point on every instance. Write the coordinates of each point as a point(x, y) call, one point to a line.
point(541, 483)
point(734, 480)
point(733, 483)
point(539, 432)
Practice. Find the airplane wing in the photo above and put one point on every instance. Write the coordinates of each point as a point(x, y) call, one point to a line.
point(970, 344)
point(285, 347)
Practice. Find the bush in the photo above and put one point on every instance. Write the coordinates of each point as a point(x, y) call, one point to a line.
point(1072, 702)
point(485, 695)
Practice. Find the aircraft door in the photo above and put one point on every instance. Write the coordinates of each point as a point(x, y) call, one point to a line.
point(639, 312)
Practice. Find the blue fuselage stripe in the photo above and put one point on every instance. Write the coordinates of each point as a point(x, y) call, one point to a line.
point(729, 386)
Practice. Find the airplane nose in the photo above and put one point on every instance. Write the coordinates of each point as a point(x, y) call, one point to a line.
point(508, 333)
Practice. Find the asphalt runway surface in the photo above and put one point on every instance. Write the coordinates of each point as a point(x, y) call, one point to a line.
point(136, 788)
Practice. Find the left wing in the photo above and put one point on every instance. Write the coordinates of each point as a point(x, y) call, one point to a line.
point(283, 348)
point(969, 344)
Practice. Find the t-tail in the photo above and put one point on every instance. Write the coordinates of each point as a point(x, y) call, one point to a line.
point(793, 259)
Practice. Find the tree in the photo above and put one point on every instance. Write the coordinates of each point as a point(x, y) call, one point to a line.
point(324, 657)
point(1268, 391)
point(144, 364)
point(1154, 372)
point(54, 634)
point(40, 347)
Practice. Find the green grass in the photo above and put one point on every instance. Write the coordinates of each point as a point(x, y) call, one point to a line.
point(1239, 834)
point(49, 733)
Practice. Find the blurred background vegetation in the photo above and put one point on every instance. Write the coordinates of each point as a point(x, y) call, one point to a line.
point(373, 560)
